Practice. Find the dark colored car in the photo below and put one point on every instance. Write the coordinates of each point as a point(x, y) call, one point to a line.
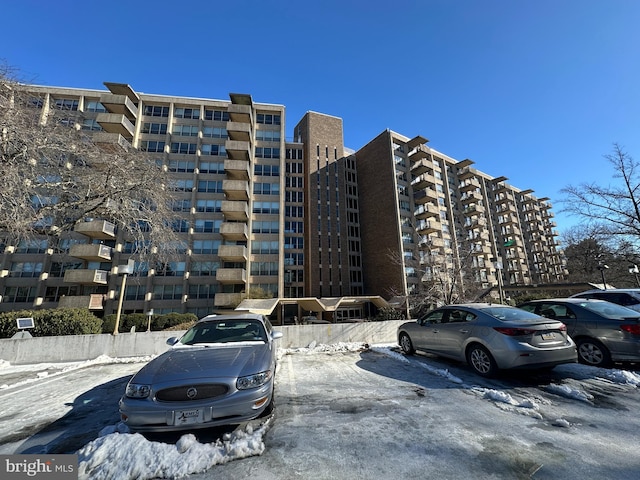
point(220, 372)
point(489, 337)
point(603, 331)
point(627, 297)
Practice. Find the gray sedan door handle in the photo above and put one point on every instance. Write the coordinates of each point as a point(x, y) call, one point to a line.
point(462, 330)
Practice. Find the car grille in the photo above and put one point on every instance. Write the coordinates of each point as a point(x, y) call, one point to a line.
point(181, 394)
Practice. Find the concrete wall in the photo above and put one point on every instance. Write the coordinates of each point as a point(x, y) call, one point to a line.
point(73, 348)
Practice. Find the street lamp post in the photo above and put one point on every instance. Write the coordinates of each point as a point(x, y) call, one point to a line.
point(124, 270)
point(633, 269)
point(602, 267)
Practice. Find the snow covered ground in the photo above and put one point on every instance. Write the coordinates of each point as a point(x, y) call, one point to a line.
point(343, 411)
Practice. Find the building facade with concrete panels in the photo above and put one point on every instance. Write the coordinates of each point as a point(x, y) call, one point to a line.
point(300, 218)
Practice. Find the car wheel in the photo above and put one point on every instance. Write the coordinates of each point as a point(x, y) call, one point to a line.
point(406, 344)
point(481, 361)
point(592, 352)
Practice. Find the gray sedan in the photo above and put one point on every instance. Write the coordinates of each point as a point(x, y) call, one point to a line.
point(604, 332)
point(220, 372)
point(489, 337)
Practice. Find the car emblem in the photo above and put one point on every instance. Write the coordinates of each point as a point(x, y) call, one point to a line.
point(192, 392)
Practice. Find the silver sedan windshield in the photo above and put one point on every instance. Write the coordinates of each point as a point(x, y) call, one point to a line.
point(224, 332)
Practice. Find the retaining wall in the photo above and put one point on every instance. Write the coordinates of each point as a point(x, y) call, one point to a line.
point(73, 348)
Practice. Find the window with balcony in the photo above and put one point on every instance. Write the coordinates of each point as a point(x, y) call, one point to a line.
point(206, 247)
point(203, 291)
point(210, 186)
point(211, 167)
point(207, 226)
point(26, 269)
point(208, 149)
point(215, 132)
point(209, 206)
point(204, 269)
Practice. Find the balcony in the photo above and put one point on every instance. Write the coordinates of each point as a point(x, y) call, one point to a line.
point(106, 139)
point(426, 210)
point(234, 231)
point(508, 219)
point(420, 167)
point(472, 210)
point(236, 189)
point(425, 227)
point(116, 123)
point(238, 150)
point(239, 131)
point(470, 184)
point(424, 196)
point(423, 181)
point(231, 275)
point(92, 302)
point(227, 299)
point(467, 173)
point(237, 169)
point(235, 210)
point(240, 113)
point(91, 252)
point(86, 277)
point(421, 152)
point(471, 197)
point(100, 229)
point(233, 253)
point(120, 104)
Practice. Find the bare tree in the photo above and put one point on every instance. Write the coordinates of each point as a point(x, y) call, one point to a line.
point(55, 175)
point(613, 209)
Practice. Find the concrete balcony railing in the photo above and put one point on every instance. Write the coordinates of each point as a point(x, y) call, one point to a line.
point(235, 210)
point(92, 302)
point(237, 169)
point(227, 299)
point(91, 252)
point(238, 149)
point(231, 275)
point(100, 229)
point(233, 253)
point(236, 189)
point(236, 231)
point(240, 113)
point(116, 123)
point(239, 131)
point(119, 104)
point(86, 277)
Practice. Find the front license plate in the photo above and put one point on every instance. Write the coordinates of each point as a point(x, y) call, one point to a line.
point(549, 336)
point(188, 417)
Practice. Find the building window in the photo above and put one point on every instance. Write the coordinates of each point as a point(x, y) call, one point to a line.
point(217, 115)
point(207, 226)
point(206, 247)
point(268, 135)
point(91, 124)
point(135, 292)
point(182, 185)
point(193, 113)
point(208, 149)
point(294, 154)
point(266, 207)
point(203, 291)
point(291, 211)
point(181, 205)
point(32, 246)
point(183, 166)
point(204, 269)
point(268, 119)
point(267, 152)
point(211, 167)
point(57, 269)
point(151, 146)
point(93, 106)
point(183, 148)
point(293, 243)
point(264, 227)
point(209, 206)
point(154, 128)
point(66, 104)
point(156, 111)
point(294, 197)
point(264, 268)
point(267, 170)
point(266, 188)
point(215, 132)
point(185, 130)
point(167, 292)
point(264, 247)
point(210, 186)
point(19, 294)
point(26, 269)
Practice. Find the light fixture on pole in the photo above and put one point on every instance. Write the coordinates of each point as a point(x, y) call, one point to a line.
point(602, 267)
point(123, 270)
point(633, 269)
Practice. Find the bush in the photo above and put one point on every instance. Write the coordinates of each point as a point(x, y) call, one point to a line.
point(141, 322)
point(51, 322)
point(388, 313)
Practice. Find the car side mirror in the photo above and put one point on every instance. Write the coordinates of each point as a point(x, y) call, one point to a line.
point(275, 335)
point(172, 341)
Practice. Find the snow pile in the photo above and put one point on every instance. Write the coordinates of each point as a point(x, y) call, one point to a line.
point(131, 456)
point(340, 347)
point(624, 377)
point(570, 392)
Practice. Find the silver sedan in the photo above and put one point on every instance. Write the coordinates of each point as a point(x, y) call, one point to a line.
point(489, 337)
point(220, 372)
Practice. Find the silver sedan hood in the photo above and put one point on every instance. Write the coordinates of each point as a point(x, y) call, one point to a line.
point(189, 362)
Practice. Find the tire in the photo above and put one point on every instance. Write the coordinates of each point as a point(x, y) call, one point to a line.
point(406, 345)
point(592, 352)
point(481, 361)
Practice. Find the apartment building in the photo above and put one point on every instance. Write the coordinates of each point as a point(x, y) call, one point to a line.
point(304, 218)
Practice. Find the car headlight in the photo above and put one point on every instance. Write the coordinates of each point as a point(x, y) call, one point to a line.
point(253, 381)
point(135, 390)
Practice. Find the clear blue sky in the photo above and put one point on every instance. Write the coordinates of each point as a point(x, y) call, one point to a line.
point(537, 91)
